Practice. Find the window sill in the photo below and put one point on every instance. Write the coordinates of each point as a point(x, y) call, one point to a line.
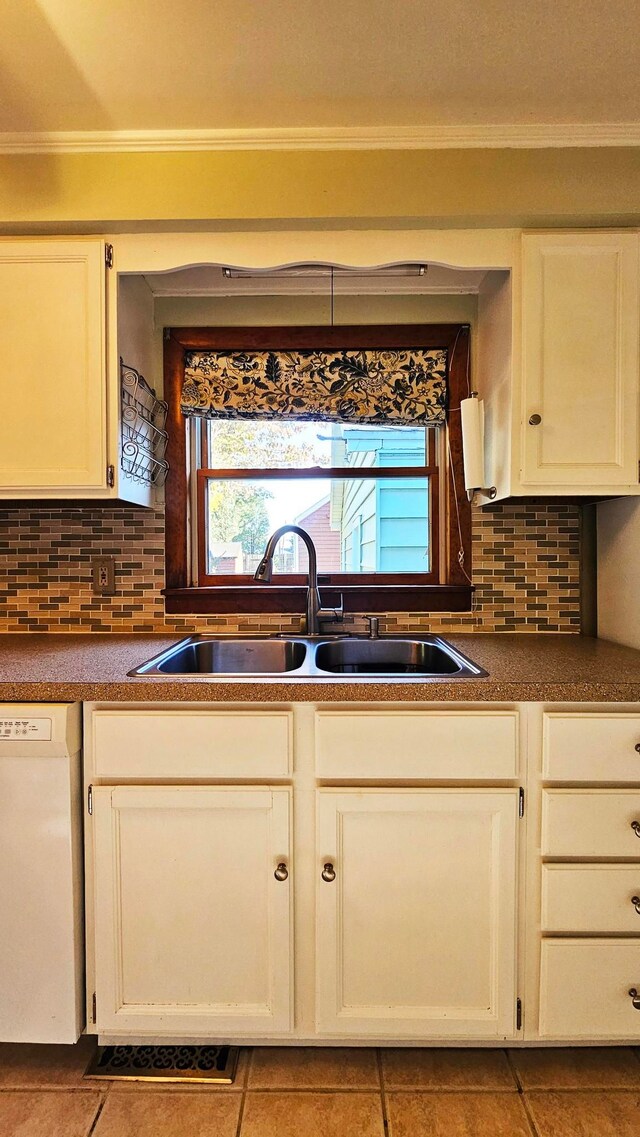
point(291, 599)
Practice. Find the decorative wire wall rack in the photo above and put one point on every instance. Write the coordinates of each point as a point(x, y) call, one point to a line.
point(144, 439)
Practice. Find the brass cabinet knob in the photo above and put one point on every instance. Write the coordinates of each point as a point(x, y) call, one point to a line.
point(535, 420)
point(328, 872)
point(637, 747)
point(635, 900)
point(635, 825)
point(281, 871)
point(635, 998)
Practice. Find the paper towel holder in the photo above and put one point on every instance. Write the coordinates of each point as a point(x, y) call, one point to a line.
point(476, 425)
point(490, 492)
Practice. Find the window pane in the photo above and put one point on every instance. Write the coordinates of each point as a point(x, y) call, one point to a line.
point(357, 524)
point(245, 444)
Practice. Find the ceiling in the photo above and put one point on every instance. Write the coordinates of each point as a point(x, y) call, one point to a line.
point(197, 65)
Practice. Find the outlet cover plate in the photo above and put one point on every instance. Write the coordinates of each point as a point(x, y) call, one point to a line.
point(103, 576)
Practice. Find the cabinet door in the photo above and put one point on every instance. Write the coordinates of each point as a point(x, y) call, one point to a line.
point(52, 331)
point(580, 359)
point(416, 932)
point(192, 928)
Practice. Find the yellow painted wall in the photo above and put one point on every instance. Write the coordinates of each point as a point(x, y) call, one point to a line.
point(438, 187)
point(269, 311)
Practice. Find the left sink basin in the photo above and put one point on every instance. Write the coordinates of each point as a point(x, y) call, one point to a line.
point(227, 657)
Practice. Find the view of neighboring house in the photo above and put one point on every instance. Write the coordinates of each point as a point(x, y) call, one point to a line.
point(382, 525)
point(364, 525)
point(316, 519)
point(361, 525)
point(225, 557)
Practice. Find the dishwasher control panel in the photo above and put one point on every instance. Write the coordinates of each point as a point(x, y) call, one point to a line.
point(25, 730)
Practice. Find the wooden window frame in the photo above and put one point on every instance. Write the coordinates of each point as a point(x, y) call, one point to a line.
point(446, 587)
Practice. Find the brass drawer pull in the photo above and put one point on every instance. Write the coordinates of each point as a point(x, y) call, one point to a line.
point(635, 900)
point(535, 420)
point(281, 871)
point(328, 873)
point(635, 998)
point(637, 747)
point(635, 825)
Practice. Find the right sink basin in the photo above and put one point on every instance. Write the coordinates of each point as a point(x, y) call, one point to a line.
point(386, 656)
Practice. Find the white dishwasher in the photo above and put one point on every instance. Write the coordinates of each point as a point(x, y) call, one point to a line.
point(41, 906)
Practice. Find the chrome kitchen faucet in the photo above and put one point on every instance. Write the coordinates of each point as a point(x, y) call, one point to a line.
point(263, 573)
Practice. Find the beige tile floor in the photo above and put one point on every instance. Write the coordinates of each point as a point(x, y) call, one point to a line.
point(333, 1092)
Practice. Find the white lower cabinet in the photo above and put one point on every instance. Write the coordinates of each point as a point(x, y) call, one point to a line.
point(190, 887)
point(416, 913)
point(602, 899)
point(192, 910)
point(593, 823)
point(590, 846)
point(409, 925)
point(585, 989)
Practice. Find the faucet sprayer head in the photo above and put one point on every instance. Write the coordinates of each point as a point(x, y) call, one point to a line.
point(264, 571)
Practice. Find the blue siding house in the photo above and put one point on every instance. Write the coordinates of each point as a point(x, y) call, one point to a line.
point(383, 524)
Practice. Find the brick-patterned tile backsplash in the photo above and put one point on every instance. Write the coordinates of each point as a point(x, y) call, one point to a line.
point(526, 569)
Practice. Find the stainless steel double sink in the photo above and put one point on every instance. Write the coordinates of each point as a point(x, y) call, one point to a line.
point(297, 657)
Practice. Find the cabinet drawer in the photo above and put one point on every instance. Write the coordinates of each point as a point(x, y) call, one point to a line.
point(451, 745)
point(192, 744)
point(591, 898)
point(591, 747)
point(584, 989)
point(590, 823)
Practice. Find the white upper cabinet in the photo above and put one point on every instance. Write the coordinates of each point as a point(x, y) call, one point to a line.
point(61, 337)
point(557, 343)
point(579, 412)
point(53, 333)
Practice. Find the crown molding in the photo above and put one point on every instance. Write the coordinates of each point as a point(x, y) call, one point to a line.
point(530, 136)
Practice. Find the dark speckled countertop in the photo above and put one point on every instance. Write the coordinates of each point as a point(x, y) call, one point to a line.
point(522, 668)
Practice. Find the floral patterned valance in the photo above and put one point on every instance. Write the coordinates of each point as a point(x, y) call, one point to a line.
point(367, 385)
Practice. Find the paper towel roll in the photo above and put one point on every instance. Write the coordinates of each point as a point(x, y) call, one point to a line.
point(472, 415)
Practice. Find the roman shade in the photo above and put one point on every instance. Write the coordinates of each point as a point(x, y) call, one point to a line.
point(364, 385)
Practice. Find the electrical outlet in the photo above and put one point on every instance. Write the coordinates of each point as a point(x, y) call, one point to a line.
point(103, 574)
